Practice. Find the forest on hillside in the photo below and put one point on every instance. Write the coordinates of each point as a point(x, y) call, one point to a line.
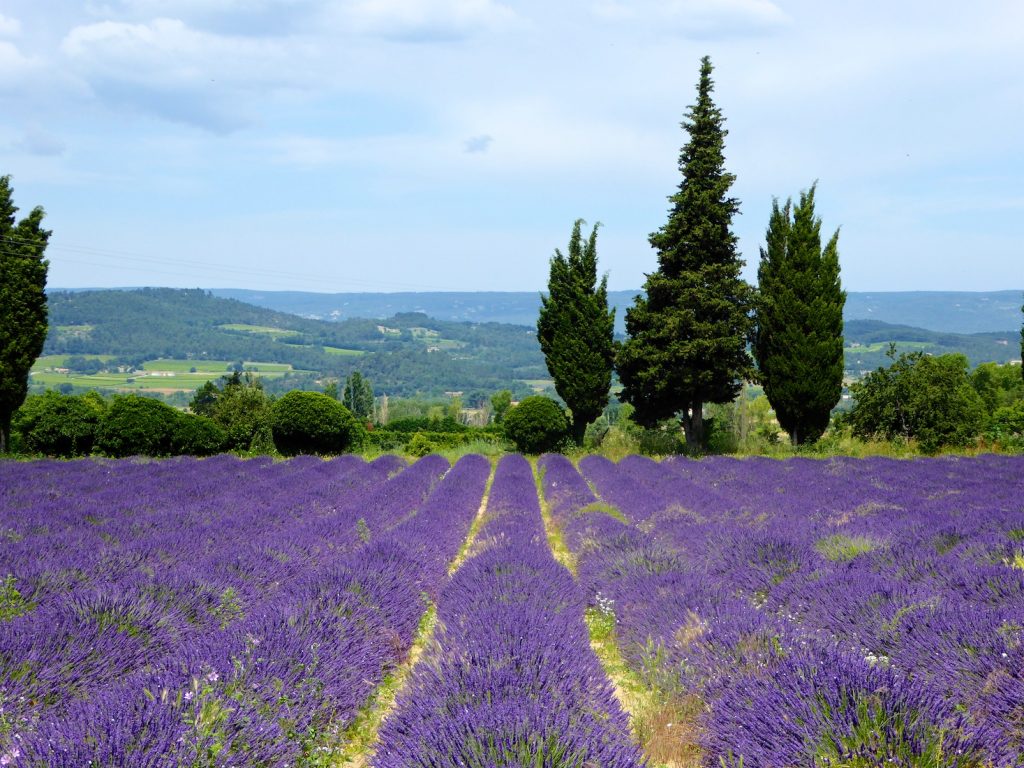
point(409, 354)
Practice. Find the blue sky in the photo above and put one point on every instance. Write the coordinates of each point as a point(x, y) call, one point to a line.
point(385, 145)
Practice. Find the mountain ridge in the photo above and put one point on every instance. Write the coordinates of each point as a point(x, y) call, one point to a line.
point(963, 312)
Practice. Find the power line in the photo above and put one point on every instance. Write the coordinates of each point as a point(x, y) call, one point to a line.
point(140, 262)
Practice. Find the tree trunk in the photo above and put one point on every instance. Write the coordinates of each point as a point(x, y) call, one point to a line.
point(693, 426)
point(5, 432)
point(578, 429)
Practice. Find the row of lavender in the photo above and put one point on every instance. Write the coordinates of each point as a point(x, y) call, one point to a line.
point(215, 613)
point(511, 679)
point(827, 613)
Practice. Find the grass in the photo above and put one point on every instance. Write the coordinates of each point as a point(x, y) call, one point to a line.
point(212, 366)
point(342, 352)
point(60, 361)
point(12, 604)
point(603, 508)
point(665, 722)
point(475, 526)
point(181, 378)
point(361, 735)
point(663, 719)
point(840, 548)
point(260, 329)
point(883, 346)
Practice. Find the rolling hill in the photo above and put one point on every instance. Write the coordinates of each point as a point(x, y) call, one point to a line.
point(947, 311)
point(166, 340)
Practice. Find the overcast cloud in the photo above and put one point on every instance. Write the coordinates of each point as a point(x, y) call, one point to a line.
point(450, 144)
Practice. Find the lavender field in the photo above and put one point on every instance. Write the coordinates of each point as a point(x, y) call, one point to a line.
point(826, 613)
point(223, 612)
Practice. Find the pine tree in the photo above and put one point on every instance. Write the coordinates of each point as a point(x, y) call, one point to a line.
point(687, 336)
point(798, 342)
point(575, 329)
point(22, 303)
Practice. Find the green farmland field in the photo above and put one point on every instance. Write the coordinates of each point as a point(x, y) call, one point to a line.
point(261, 329)
point(161, 375)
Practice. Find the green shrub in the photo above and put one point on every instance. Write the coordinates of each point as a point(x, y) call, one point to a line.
point(138, 426)
point(1007, 425)
point(1009, 419)
point(536, 425)
point(311, 422)
point(197, 436)
point(424, 424)
point(920, 397)
point(420, 445)
point(59, 425)
point(384, 440)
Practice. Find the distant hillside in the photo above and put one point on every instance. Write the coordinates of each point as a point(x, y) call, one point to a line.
point(406, 354)
point(946, 311)
point(949, 311)
point(867, 341)
point(101, 338)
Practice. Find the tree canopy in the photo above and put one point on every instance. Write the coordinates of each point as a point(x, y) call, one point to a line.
point(576, 330)
point(920, 397)
point(687, 336)
point(798, 342)
point(23, 317)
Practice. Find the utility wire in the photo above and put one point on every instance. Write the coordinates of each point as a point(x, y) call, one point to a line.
point(141, 262)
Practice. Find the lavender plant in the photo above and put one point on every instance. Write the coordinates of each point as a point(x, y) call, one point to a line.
point(217, 612)
point(510, 680)
point(827, 613)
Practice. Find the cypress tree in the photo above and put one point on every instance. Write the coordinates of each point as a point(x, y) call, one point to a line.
point(687, 336)
point(22, 303)
point(575, 330)
point(798, 340)
point(358, 395)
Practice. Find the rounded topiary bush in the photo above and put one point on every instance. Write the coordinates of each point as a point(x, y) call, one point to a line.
point(312, 422)
point(536, 425)
point(59, 425)
point(137, 426)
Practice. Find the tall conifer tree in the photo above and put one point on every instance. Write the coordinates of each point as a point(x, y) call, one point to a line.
point(576, 330)
point(22, 303)
point(688, 334)
point(798, 341)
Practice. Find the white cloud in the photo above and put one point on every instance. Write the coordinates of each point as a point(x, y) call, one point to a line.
point(271, 18)
point(9, 27)
point(166, 68)
point(14, 65)
point(166, 51)
point(698, 18)
point(426, 20)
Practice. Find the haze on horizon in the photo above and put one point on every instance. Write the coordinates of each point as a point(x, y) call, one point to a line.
point(403, 145)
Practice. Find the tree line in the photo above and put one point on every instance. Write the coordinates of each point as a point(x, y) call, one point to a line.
point(694, 337)
point(699, 331)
